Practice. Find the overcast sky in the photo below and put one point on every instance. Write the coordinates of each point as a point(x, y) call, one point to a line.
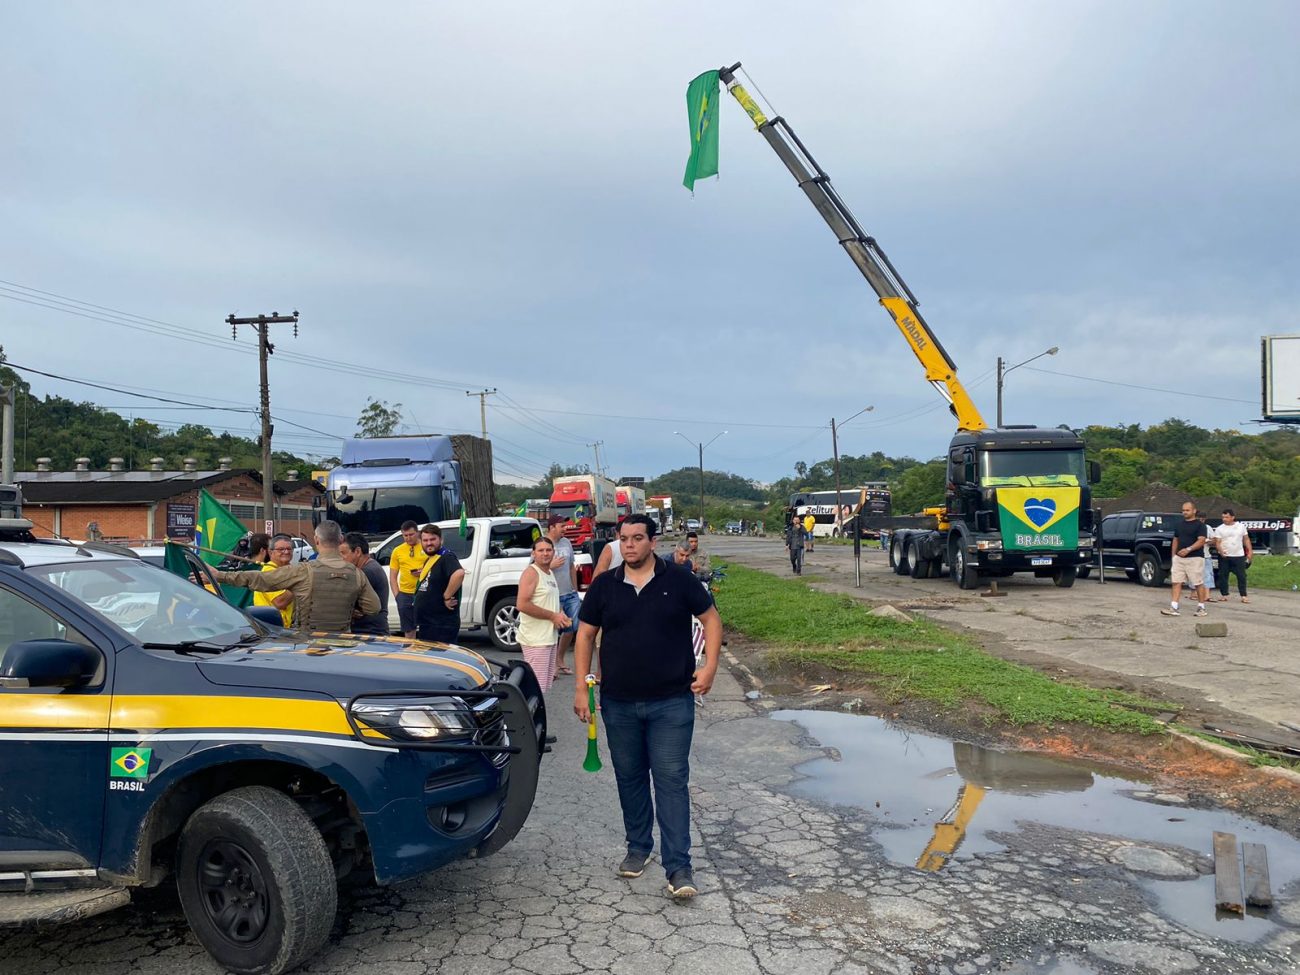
point(490, 195)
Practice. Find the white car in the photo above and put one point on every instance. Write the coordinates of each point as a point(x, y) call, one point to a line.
point(303, 550)
point(493, 553)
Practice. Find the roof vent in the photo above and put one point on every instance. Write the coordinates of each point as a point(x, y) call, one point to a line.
point(116, 464)
point(223, 463)
point(43, 463)
point(291, 475)
point(190, 464)
point(83, 463)
point(156, 463)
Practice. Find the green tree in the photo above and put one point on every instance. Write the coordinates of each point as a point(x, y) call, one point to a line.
point(378, 419)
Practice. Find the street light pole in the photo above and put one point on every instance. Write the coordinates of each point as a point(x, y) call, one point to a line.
point(1003, 369)
point(835, 449)
point(700, 446)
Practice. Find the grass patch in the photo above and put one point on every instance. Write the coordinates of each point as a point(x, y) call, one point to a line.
point(1253, 756)
point(809, 629)
point(1270, 572)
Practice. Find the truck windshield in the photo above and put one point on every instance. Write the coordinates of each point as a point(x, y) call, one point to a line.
point(381, 511)
point(150, 603)
point(571, 512)
point(1032, 468)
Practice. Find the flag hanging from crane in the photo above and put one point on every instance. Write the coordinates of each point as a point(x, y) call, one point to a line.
point(702, 112)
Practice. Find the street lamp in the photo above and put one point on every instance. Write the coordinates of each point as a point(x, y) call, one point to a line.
point(701, 447)
point(1002, 371)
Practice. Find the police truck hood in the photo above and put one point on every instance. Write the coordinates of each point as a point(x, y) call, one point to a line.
point(341, 666)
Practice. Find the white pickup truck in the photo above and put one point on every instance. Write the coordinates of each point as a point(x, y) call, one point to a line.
point(494, 552)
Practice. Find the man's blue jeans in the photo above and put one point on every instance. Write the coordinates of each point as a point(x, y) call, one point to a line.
point(652, 740)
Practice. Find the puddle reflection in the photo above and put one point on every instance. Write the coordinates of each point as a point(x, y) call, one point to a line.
point(939, 799)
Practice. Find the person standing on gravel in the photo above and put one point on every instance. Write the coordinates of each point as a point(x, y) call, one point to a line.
point(647, 695)
point(1188, 567)
point(794, 544)
point(1235, 553)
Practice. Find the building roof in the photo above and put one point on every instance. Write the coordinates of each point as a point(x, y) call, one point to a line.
point(1159, 496)
point(109, 487)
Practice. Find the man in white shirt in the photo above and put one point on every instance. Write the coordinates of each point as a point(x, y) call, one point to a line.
point(1235, 553)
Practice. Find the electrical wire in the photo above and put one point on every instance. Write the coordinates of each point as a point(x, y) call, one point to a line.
point(1144, 388)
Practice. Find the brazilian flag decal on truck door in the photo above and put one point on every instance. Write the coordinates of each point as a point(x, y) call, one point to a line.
point(1039, 518)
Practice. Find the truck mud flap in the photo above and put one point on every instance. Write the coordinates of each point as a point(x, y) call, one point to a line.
point(525, 716)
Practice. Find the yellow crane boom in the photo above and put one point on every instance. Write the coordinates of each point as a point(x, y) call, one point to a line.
point(866, 253)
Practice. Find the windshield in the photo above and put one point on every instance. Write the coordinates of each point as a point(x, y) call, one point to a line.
point(381, 511)
point(1032, 468)
point(151, 604)
point(571, 512)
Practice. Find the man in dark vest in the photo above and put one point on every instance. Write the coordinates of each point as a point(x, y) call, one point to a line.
point(325, 590)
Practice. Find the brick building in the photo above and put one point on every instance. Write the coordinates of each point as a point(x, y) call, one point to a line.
point(154, 504)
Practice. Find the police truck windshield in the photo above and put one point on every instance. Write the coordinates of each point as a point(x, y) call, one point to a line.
point(151, 604)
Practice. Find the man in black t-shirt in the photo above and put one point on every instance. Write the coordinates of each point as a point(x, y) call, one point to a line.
point(643, 610)
point(1188, 558)
point(437, 594)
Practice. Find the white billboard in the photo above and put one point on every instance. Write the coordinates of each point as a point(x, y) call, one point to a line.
point(1281, 377)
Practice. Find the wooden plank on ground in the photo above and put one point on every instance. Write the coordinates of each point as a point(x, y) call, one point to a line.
point(1258, 891)
point(1227, 874)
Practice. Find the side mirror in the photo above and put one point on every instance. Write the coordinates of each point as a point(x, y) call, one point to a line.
point(1094, 472)
point(48, 663)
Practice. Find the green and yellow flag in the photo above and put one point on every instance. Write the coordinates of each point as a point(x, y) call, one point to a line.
point(464, 521)
point(702, 112)
point(217, 528)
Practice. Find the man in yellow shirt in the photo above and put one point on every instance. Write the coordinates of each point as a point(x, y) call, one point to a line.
point(281, 555)
point(808, 522)
point(404, 567)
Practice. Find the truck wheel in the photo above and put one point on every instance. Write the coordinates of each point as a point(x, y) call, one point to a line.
point(919, 566)
point(964, 574)
point(1083, 571)
point(898, 556)
point(503, 623)
point(256, 881)
point(1148, 570)
point(1063, 578)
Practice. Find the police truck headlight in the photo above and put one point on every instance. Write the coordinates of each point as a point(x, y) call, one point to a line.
point(989, 545)
point(415, 719)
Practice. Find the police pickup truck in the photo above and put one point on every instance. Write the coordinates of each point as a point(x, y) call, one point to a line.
point(148, 729)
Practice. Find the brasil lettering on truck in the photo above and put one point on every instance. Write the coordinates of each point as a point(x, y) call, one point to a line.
point(1027, 512)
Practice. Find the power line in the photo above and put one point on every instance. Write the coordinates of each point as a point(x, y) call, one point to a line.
point(1144, 388)
point(662, 419)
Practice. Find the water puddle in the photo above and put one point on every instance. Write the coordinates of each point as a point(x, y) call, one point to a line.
point(937, 800)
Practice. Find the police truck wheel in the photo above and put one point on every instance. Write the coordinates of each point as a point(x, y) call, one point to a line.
point(503, 624)
point(256, 881)
point(1063, 578)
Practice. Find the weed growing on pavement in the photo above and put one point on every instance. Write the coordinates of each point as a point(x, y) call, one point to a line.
point(822, 631)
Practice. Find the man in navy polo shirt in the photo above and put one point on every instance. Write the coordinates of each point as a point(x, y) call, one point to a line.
point(649, 679)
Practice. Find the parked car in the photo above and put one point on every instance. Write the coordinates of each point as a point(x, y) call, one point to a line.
point(493, 552)
point(303, 551)
point(178, 737)
point(1140, 543)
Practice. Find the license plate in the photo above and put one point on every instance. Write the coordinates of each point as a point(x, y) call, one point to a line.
point(1041, 560)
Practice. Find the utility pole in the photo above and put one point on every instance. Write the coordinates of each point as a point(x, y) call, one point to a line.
point(835, 449)
point(1003, 369)
point(701, 447)
point(8, 402)
point(262, 325)
point(482, 407)
point(596, 448)
point(839, 506)
point(999, 392)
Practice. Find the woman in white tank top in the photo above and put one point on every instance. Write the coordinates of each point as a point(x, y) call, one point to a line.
point(539, 613)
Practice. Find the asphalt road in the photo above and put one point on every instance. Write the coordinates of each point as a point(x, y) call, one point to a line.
point(1117, 627)
point(787, 885)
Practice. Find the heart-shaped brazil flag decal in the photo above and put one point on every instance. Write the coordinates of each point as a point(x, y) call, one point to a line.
point(1039, 511)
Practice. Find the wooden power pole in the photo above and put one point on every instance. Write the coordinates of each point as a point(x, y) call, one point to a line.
point(482, 408)
point(262, 325)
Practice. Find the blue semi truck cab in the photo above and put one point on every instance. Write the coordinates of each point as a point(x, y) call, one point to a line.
point(151, 733)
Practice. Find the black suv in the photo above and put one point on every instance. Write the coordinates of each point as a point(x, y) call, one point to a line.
point(1140, 543)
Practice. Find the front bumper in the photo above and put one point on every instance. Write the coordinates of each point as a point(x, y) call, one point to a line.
point(458, 799)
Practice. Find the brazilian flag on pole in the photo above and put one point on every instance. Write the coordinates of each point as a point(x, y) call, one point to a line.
point(464, 521)
point(702, 112)
point(215, 529)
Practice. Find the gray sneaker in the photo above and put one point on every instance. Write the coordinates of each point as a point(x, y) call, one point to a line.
point(1169, 612)
point(633, 865)
point(682, 884)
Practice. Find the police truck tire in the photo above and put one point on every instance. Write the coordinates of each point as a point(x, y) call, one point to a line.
point(1063, 578)
point(256, 881)
point(503, 624)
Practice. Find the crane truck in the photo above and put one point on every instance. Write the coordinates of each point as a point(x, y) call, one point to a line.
point(1017, 497)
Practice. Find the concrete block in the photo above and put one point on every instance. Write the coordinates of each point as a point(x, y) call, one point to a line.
point(1218, 628)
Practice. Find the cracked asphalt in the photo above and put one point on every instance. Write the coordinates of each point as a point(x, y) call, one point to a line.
point(787, 885)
